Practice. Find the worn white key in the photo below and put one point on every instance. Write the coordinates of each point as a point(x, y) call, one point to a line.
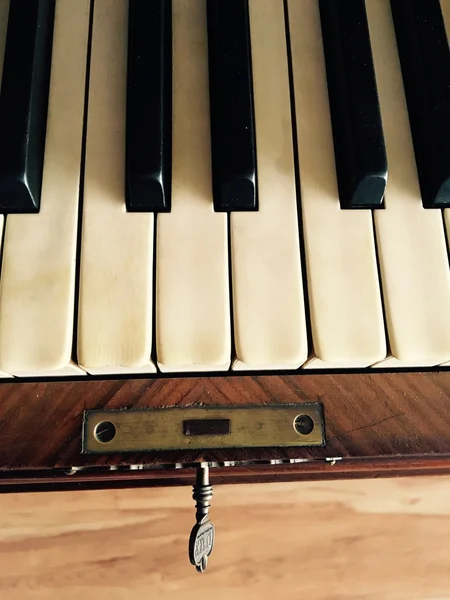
point(411, 241)
point(115, 297)
point(344, 296)
point(268, 303)
point(445, 7)
point(192, 294)
point(4, 11)
point(39, 255)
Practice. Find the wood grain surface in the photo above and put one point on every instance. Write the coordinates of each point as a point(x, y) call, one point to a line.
point(367, 415)
point(384, 539)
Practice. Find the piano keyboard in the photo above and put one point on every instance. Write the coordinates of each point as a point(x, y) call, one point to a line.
point(284, 208)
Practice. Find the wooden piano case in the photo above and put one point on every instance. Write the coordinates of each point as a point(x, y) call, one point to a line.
point(376, 423)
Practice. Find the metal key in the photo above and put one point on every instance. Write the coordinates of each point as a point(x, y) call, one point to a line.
point(201, 541)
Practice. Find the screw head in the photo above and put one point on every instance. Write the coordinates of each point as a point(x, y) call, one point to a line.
point(303, 424)
point(105, 431)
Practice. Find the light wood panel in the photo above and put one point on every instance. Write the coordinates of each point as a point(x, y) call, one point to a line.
point(377, 539)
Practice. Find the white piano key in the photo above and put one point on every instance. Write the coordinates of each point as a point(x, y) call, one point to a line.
point(411, 240)
point(268, 303)
point(445, 8)
point(344, 295)
point(39, 253)
point(192, 293)
point(115, 290)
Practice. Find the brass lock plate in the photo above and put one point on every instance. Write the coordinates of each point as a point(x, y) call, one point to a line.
point(191, 428)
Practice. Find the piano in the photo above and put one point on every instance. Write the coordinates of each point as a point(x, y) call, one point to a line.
point(225, 241)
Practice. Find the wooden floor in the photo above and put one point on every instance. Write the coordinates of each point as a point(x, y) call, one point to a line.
point(378, 539)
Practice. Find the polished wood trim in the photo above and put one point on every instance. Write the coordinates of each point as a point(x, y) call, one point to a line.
point(98, 478)
point(369, 416)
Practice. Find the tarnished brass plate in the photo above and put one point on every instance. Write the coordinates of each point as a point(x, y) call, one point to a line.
point(196, 428)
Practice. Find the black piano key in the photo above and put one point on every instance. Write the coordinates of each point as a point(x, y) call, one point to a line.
point(425, 62)
point(360, 152)
point(148, 170)
point(233, 144)
point(23, 104)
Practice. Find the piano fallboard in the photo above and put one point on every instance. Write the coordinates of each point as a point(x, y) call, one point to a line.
point(375, 423)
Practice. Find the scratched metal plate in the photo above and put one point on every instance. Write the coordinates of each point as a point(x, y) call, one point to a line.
point(198, 428)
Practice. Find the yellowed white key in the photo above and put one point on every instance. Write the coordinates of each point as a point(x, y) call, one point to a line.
point(192, 293)
point(38, 271)
point(115, 295)
point(344, 295)
point(268, 303)
point(4, 12)
point(411, 241)
point(445, 8)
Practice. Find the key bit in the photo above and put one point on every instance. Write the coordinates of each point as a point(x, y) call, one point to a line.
point(201, 541)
